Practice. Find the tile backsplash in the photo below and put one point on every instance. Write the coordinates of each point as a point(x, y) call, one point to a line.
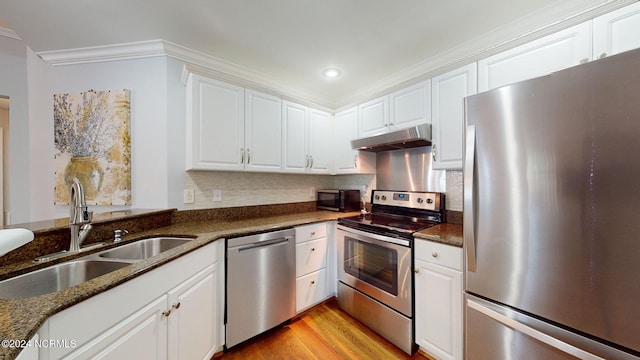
point(247, 189)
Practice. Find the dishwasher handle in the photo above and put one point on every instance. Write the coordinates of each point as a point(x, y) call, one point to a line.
point(264, 244)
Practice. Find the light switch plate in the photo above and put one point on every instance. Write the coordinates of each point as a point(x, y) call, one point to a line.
point(189, 197)
point(217, 195)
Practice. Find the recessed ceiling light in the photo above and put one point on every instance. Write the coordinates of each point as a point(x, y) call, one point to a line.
point(332, 73)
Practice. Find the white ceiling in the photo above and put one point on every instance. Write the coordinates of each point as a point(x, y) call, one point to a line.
point(376, 43)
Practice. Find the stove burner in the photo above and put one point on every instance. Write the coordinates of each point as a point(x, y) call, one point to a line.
point(399, 214)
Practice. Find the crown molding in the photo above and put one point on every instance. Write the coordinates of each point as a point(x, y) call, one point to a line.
point(126, 51)
point(10, 33)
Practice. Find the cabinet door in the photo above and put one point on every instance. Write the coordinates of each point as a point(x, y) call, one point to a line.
point(320, 142)
point(142, 335)
point(410, 106)
point(311, 289)
point(215, 125)
point(439, 305)
point(346, 160)
point(374, 117)
point(294, 129)
point(617, 31)
point(193, 320)
point(447, 129)
point(540, 57)
point(263, 132)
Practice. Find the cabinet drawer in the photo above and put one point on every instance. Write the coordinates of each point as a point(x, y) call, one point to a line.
point(311, 289)
point(440, 254)
point(311, 256)
point(310, 232)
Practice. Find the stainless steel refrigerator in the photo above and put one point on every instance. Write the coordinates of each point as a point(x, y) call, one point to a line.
point(552, 215)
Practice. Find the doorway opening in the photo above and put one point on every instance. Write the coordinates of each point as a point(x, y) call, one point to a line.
point(4, 153)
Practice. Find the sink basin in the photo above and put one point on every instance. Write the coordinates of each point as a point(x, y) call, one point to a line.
point(56, 278)
point(143, 249)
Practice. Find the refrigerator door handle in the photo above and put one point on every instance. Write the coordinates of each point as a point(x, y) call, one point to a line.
point(469, 215)
point(529, 331)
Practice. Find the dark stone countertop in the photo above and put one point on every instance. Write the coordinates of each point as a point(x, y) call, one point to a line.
point(20, 319)
point(450, 234)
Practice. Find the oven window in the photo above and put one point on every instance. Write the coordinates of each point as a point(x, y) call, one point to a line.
point(371, 263)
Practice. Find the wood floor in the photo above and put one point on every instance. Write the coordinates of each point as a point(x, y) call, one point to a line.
point(324, 332)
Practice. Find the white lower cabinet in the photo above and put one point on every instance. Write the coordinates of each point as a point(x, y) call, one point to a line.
point(438, 300)
point(172, 312)
point(311, 265)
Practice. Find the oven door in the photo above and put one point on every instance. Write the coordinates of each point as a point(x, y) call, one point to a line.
point(376, 265)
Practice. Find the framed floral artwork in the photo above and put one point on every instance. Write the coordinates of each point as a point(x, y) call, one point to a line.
point(93, 143)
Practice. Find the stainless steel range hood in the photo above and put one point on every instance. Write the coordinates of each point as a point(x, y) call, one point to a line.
point(412, 137)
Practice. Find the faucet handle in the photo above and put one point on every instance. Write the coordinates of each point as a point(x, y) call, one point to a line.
point(117, 235)
point(87, 215)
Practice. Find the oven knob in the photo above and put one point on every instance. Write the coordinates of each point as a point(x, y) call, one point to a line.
point(384, 198)
point(429, 201)
point(377, 197)
point(420, 201)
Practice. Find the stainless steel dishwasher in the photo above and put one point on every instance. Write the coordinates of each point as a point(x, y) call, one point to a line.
point(261, 284)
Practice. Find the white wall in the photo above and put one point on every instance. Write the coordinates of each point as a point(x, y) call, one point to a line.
point(147, 81)
point(13, 83)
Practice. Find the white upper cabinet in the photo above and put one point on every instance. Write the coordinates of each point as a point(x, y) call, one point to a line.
point(374, 117)
point(215, 125)
point(263, 132)
point(230, 128)
point(294, 137)
point(449, 91)
point(410, 106)
point(320, 147)
point(307, 139)
point(346, 159)
point(398, 110)
point(617, 31)
point(540, 57)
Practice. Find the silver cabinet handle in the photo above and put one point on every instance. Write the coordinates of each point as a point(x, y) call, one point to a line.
point(306, 161)
point(355, 161)
point(434, 254)
point(469, 216)
point(311, 164)
point(241, 155)
point(176, 305)
point(433, 152)
point(602, 56)
point(166, 313)
point(248, 156)
point(417, 271)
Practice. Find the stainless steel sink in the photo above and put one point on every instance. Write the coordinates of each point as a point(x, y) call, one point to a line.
point(143, 249)
point(56, 278)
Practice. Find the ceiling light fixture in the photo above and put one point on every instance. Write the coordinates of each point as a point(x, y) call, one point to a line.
point(332, 73)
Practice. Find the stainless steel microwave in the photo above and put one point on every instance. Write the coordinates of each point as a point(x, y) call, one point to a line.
point(338, 200)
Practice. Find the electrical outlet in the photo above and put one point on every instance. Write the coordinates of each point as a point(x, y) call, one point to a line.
point(312, 192)
point(217, 195)
point(189, 197)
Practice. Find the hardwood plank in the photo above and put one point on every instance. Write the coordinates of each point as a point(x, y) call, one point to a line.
point(324, 332)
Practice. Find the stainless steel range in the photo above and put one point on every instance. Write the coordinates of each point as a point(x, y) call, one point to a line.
point(375, 259)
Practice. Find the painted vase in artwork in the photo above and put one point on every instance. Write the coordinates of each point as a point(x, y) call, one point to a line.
point(88, 170)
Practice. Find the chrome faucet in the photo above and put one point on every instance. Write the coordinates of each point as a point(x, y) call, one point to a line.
point(79, 216)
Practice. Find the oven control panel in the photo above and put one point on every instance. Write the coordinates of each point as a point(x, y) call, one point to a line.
point(408, 199)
